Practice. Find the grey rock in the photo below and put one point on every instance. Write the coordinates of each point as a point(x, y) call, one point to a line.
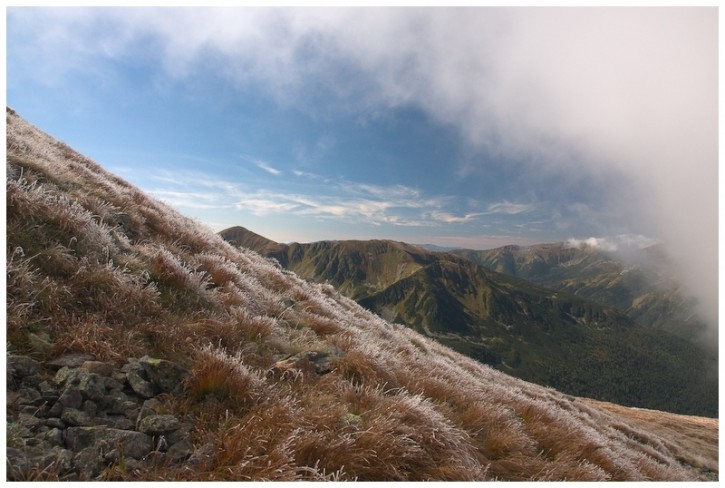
point(180, 451)
point(16, 434)
point(48, 391)
point(133, 444)
point(56, 460)
point(158, 424)
point(70, 361)
point(166, 375)
point(71, 416)
point(54, 437)
point(119, 422)
point(114, 383)
point(17, 464)
point(22, 366)
point(71, 398)
point(90, 408)
point(34, 410)
point(149, 407)
point(79, 438)
point(183, 433)
point(88, 463)
point(201, 457)
point(319, 362)
point(116, 402)
point(139, 385)
point(55, 422)
point(29, 396)
point(132, 413)
point(56, 410)
point(98, 367)
point(31, 422)
point(91, 385)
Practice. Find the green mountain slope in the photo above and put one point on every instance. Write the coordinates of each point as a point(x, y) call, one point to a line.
point(553, 338)
point(641, 285)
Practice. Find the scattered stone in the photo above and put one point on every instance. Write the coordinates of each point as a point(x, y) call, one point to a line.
point(114, 384)
point(55, 422)
point(17, 463)
point(98, 367)
point(158, 424)
point(71, 416)
point(133, 444)
point(29, 396)
point(54, 437)
point(139, 385)
point(88, 463)
point(180, 451)
point(91, 415)
point(308, 362)
point(70, 361)
point(200, 457)
point(48, 391)
point(22, 366)
point(31, 422)
point(118, 422)
point(71, 398)
point(166, 375)
point(90, 408)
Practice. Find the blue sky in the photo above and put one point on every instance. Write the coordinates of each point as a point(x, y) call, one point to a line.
point(472, 127)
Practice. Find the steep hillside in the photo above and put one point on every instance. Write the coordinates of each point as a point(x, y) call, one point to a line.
point(141, 346)
point(552, 338)
point(640, 285)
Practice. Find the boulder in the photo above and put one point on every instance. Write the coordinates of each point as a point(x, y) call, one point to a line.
point(158, 424)
point(140, 386)
point(71, 398)
point(98, 367)
point(167, 376)
point(70, 361)
point(131, 443)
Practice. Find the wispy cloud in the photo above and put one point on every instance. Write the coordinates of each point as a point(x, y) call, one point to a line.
point(508, 208)
point(454, 219)
point(320, 197)
point(269, 169)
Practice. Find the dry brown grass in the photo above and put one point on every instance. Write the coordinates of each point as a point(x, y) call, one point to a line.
point(693, 440)
point(104, 269)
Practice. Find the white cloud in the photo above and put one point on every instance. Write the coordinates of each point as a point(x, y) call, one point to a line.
point(622, 242)
point(269, 169)
point(449, 218)
point(508, 208)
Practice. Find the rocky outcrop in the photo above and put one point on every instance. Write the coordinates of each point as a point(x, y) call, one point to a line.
point(73, 418)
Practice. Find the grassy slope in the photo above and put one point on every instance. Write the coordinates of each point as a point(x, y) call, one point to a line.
point(102, 268)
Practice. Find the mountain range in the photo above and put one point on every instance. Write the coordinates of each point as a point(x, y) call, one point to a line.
point(549, 336)
point(640, 283)
point(140, 346)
